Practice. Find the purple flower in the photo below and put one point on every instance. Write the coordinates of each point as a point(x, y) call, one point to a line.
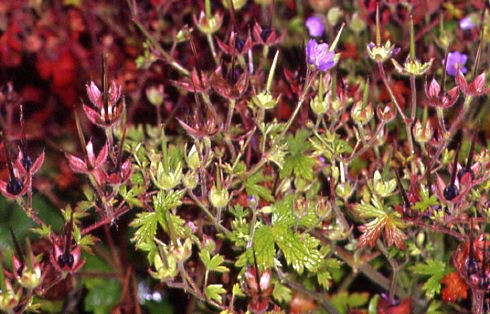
point(468, 22)
point(455, 61)
point(318, 56)
point(315, 26)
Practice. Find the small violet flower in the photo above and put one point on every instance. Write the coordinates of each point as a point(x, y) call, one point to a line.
point(315, 26)
point(319, 56)
point(468, 22)
point(455, 61)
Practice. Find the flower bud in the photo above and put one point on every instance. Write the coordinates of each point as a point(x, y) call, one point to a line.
point(164, 271)
point(362, 115)
point(264, 100)
point(9, 299)
point(184, 251)
point(319, 106)
point(386, 113)
point(334, 15)
point(190, 180)
point(237, 4)
point(300, 207)
point(433, 89)
point(211, 25)
point(253, 201)
point(323, 208)
point(357, 24)
point(166, 180)
point(208, 244)
point(192, 158)
point(155, 95)
point(219, 198)
point(421, 133)
point(344, 190)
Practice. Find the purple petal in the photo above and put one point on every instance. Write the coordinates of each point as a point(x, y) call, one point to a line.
point(315, 26)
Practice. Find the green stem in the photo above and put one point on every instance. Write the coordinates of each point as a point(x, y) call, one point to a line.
point(212, 47)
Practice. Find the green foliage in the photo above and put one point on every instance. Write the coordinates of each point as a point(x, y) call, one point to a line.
point(213, 263)
point(298, 163)
point(214, 292)
point(343, 301)
point(253, 186)
point(436, 271)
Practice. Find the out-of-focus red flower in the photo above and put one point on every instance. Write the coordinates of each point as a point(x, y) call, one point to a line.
point(61, 68)
point(387, 306)
point(454, 287)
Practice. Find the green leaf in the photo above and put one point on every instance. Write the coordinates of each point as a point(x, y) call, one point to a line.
point(282, 293)
point(131, 196)
point(324, 278)
point(297, 162)
point(300, 250)
point(146, 223)
point(282, 212)
point(214, 292)
point(436, 271)
point(264, 247)
point(426, 201)
point(253, 186)
point(343, 301)
point(300, 165)
point(167, 200)
point(435, 308)
point(214, 263)
point(298, 143)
